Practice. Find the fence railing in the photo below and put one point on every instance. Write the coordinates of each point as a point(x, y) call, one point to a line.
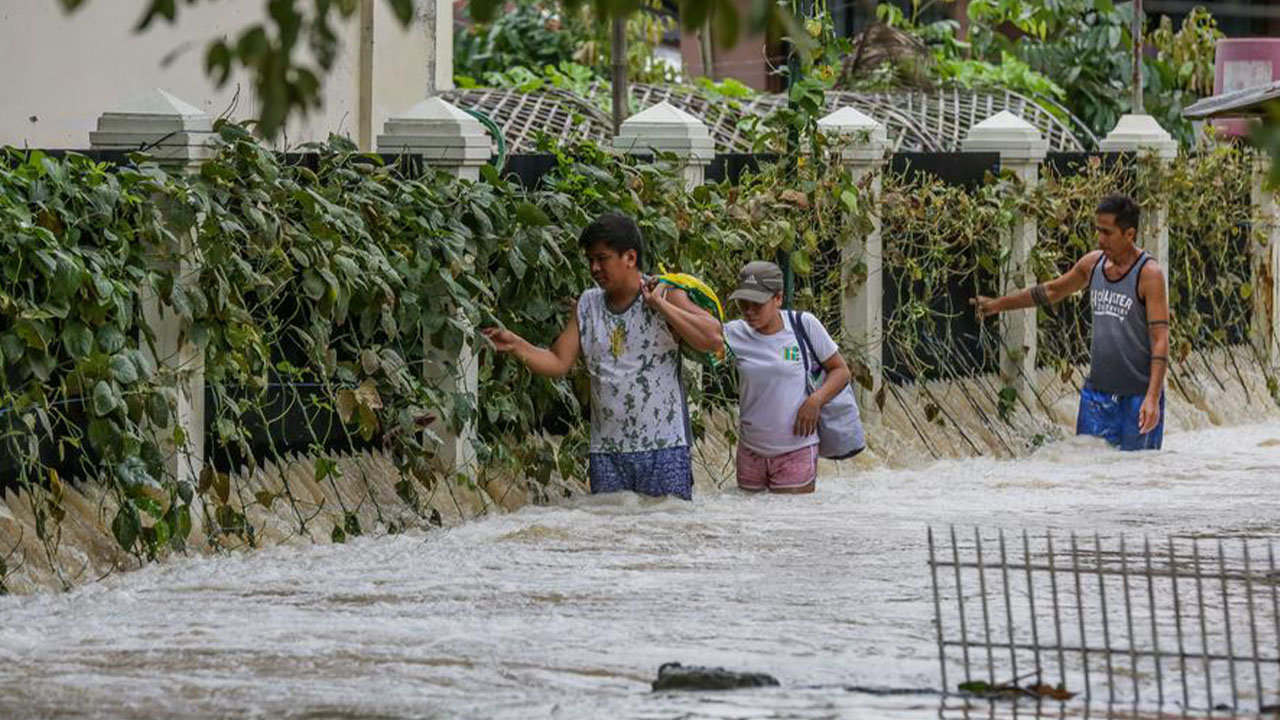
point(1182, 621)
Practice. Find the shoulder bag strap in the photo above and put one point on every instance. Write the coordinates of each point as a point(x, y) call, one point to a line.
point(806, 350)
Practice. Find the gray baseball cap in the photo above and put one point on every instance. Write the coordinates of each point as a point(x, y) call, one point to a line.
point(758, 282)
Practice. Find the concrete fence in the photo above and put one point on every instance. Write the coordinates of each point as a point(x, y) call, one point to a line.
point(449, 139)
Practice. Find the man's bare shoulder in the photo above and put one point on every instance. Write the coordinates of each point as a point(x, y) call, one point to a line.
point(1151, 270)
point(1089, 259)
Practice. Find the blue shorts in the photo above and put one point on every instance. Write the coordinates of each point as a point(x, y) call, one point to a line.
point(1114, 418)
point(651, 472)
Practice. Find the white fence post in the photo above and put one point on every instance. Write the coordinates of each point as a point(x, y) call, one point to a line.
point(447, 139)
point(1140, 134)
point(667, 129)
point(177, 135)
point(1021, 149)
point(862, 143)
point(1264, 247)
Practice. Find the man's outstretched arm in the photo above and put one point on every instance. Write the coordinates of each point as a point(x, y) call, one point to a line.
point(1052, 292)
point(554, 362)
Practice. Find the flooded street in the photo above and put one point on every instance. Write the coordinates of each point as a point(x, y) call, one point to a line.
point(568, 611)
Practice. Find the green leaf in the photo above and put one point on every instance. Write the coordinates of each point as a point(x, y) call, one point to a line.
point(850, 200)
point(312, 284)
point(77, 339)
point(105, 398)
point(351, 524)
point(126, 526)
point(230, 521)
point(13, 347)
point(529, 214)
point(102, 435)
point(403, 10)
point(516, 260)
point(182, 528)
point(110, 339)
point(35, 333)
point(158, 409)
point(142, 364)
point(162, 533)
point(800, 262)
point(68, 278)
point(217, 63)
point(166, 9)
point(149, 506)
point(123, 370)
point(726, 22)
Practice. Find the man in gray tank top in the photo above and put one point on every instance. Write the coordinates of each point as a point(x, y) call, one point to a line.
point(629, 333)
point(1123, 397)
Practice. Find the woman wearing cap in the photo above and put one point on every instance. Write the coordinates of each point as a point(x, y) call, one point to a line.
point(778, 437)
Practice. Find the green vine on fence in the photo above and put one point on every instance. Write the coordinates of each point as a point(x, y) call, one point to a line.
point(326, 297)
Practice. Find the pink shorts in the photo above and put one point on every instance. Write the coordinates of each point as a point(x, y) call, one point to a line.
point(793, 470)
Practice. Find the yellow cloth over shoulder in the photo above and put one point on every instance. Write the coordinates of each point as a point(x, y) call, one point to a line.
point(704, 297)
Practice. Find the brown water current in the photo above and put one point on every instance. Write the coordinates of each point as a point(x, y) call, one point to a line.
point(566, 610)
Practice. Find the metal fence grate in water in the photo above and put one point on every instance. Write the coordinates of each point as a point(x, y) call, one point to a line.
point(1179, 621)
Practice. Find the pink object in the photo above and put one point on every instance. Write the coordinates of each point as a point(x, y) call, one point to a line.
point(1240, 63)
point(788, 471)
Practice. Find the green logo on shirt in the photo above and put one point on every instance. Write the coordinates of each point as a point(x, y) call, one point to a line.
point(791, 354)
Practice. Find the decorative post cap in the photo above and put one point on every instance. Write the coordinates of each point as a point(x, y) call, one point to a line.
point(166, 127)
point(439, 132)
point(1135, 133)
point(861, 137)
point(1009, 135)
point(668, 129)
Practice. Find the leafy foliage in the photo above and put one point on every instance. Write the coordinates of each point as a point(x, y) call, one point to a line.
point(1086, 47)
point(529, 35)
point(538, 45)
point(360, 280)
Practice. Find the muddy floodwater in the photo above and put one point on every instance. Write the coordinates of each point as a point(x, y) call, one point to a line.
point(567, 612)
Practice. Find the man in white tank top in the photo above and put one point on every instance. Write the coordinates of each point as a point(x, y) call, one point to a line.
point(1123, 398)
point(629, 333)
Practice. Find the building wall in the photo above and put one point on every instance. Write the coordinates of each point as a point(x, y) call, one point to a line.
point(72, 68)
point(746, 61)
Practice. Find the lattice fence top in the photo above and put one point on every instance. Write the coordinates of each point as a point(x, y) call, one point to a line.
point(920, 121)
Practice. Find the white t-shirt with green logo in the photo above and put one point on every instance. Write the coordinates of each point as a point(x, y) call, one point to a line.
point(771, 382)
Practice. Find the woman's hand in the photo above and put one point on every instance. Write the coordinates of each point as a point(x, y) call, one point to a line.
point(807, 416)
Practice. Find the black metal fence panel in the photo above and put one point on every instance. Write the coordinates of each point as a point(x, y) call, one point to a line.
point(1183, 622)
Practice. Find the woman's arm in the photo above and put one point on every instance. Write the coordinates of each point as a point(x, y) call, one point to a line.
point(838, 376)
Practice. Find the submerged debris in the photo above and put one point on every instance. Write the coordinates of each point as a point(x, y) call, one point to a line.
point(1012, 689)
point(674, 676)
